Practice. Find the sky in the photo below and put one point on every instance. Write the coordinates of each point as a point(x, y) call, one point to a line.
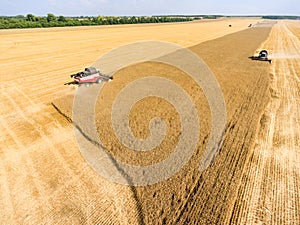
point(148, 7)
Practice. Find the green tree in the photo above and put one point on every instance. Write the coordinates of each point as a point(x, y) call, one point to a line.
point(30, 17)
point(51, 17)
point(133, 19)
point(62, 19)
point(122, 20)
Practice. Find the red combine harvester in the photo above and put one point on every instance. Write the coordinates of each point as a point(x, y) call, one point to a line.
point(89, 76)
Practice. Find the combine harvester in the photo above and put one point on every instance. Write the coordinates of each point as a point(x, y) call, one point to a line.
point(262, 56)
point(90, 75)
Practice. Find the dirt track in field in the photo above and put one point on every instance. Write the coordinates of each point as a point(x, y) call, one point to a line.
point(43, 177)
point(270, 191)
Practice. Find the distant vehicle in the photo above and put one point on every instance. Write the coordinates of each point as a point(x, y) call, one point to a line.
point(89, 76)
point(262, 56)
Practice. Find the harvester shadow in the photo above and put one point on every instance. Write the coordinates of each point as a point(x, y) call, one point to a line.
point(114, 161)
point(253, 57)
point(259, 59)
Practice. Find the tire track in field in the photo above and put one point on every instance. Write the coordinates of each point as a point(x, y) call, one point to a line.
point(270, 190)
point(44, 173)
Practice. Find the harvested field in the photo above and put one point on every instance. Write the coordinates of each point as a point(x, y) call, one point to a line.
point(269, 193)
point(184, 197)
point(44, 178)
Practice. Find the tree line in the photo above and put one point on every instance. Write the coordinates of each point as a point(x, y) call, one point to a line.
point(32, 21)
point(282, 17)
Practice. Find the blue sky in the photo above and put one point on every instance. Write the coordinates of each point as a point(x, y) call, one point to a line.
point(149, 7)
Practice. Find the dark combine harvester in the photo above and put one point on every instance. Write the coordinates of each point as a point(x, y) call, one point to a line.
point(262, 56)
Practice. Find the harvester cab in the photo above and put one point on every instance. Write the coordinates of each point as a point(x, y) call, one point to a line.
point(263, 54)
